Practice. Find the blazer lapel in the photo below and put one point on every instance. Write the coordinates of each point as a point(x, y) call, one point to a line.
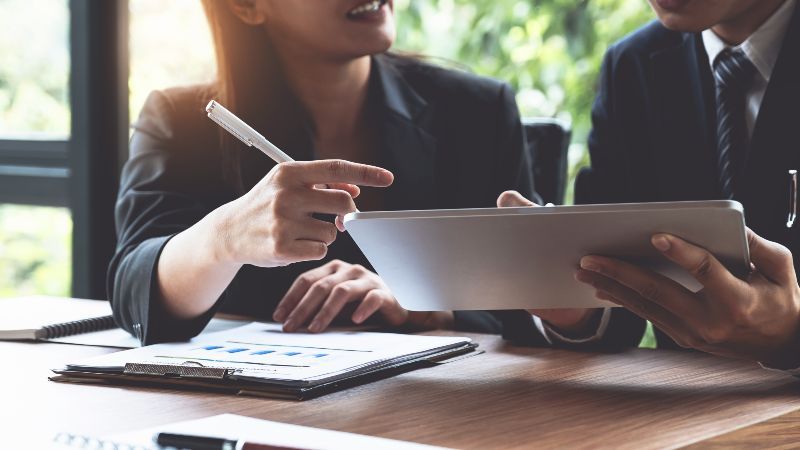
point(684, 152)
point(407, 148)
point(774, 145)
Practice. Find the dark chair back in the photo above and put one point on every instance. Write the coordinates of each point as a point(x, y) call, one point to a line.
point(548, 144)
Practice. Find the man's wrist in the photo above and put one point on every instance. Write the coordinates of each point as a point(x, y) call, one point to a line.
point(552, 336)
point(786, 358)
point(585, 327)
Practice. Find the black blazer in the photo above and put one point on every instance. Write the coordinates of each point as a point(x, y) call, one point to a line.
point(654, 139)
point(452, 140)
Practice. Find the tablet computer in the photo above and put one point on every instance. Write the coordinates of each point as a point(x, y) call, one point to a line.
point(526, 258)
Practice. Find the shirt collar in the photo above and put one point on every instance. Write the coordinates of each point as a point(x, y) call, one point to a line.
point(762, 47)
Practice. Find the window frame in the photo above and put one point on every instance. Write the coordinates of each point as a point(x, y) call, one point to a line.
point(82, 172)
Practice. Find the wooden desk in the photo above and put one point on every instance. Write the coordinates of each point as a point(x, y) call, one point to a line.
point(508, 397)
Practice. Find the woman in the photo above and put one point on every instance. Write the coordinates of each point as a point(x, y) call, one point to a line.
point(206, 224)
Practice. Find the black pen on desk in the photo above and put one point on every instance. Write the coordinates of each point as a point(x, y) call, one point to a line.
point(182, 441)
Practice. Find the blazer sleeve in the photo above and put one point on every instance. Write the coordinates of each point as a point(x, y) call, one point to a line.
point(605, 180)
point(513, 170)
point(156, 200)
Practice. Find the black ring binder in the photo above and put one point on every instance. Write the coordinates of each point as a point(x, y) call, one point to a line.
point(78, 327)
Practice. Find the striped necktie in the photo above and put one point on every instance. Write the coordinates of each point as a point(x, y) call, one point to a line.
point(734, 74)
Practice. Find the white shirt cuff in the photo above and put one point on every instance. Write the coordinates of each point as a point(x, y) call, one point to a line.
point(792, 372)
point(551, 335)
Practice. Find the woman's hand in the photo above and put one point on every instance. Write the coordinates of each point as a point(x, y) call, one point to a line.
point(572, 321)
point(272, 224)
point(319, 295)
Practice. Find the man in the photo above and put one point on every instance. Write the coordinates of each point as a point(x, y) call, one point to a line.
point(701, 105)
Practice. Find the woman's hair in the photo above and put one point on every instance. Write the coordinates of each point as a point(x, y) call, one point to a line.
point(249, 83)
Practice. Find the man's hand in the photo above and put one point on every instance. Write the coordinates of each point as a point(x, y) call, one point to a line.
point(757, 318)
point(571, 321)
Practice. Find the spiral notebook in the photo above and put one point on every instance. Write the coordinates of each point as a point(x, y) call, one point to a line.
point(47, 318)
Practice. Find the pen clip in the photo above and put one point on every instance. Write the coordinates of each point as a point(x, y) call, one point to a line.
point(792, 216)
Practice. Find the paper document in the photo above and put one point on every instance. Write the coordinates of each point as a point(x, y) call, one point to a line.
point(229, 426)
point(263, 352)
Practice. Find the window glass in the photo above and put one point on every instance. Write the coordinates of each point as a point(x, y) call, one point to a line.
point(179, 53)
point(34, 69)
point(35, 250)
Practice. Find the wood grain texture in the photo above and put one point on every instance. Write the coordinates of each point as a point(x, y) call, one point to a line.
point(508, 397)
point(779, 433)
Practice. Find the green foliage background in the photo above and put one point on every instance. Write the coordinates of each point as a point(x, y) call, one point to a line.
point(550, 51)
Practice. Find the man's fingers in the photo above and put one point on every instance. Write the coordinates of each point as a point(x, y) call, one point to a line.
point(610, 290)
point(652, 286)
point(701, 264)
point(773, 260)
point(511, 199)
point(299, 287)
point(333, 171)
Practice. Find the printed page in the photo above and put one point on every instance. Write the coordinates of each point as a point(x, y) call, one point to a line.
point(261, 351)
point(230, 426)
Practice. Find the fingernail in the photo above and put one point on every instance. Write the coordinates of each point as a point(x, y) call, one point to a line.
point(661, 243)
point(358, 318)
point(289, 325)
point(278, 314)
point(314, 327)
point(590, 264)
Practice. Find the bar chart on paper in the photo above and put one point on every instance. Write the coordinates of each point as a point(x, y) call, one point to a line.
point(260, 354)
point(262, 351)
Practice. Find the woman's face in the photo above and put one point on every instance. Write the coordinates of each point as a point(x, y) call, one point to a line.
point(338, 29)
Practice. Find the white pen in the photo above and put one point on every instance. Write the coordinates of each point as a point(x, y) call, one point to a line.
point(244, 132)
point(251, 137)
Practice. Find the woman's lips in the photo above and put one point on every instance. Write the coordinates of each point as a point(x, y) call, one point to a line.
point(369, 10)
point(672, 5)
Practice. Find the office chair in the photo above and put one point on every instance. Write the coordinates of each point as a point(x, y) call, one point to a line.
point(548, 142)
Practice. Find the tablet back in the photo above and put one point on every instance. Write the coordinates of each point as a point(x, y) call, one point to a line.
point(525, 258)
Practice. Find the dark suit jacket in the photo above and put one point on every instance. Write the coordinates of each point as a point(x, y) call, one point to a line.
point(653, 139)
point(452, 140)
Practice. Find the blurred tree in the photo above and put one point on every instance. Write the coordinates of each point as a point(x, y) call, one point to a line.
point(35, 250)
point(550, 51)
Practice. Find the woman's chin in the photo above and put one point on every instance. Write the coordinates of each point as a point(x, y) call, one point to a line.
point(372, 44)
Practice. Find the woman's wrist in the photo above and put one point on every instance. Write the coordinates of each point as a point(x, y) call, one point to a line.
point(217, 235)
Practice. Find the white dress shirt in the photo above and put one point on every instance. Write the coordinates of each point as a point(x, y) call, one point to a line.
point(762, 48)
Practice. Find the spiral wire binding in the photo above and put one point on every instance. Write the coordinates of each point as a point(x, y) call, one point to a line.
point(76, 441)
point(78, 327)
